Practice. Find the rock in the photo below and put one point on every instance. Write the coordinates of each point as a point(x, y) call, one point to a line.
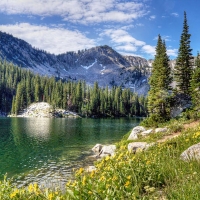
point(107, 151)
point(97, 148)
point(147, 132)
point(192, 153)
point(161, 130)
point(135, 146)
point(135, 132)
point(182, 102)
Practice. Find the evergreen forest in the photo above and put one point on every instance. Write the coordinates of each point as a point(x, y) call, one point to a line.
point(20, 87)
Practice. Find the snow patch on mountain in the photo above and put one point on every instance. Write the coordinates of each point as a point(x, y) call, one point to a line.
point(87, 67)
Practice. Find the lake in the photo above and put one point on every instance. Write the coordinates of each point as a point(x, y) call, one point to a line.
point(45, 150)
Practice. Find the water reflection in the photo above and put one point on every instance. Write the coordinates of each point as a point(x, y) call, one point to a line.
point(38, 128)
point(45, 150)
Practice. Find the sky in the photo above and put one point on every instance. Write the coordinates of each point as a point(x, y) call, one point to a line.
point(130, 27)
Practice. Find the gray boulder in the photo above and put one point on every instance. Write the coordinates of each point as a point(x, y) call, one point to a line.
point(192, 153)
point(97, 148)
point(136, 146)
point(104, 150)
point(107, 151)
point(161, 130)
point(147, 132)
point(134, 134)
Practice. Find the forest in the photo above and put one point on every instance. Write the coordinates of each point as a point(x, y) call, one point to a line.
point(20, 87)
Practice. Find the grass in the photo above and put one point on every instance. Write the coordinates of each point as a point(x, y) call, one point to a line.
point(157, 173)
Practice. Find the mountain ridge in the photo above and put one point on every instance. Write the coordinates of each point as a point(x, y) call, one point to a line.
point(101, 64)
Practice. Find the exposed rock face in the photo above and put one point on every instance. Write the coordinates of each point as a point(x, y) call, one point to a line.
point(136, 130)
point(101, 64)
point(182, 102)
point(43, 109)
point(192, 153)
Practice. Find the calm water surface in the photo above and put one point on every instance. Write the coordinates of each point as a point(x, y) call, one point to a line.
point(46, 150)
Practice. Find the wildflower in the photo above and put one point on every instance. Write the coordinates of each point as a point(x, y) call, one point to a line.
point(13, 194)
point(92, 173)
point(107, 158)
point(90, 192)
point(127, 183)
point(128, 177)
point(148, 162)
point(80, 171)
point(68, 183)
point(84, 180)
point(50, 196)
point(30, 188)
point(102, 178)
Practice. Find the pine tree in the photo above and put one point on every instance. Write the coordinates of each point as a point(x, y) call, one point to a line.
point(160, 80)
point(195, 84)
point(183, 67)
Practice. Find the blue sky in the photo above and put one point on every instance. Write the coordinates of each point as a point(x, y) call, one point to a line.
point(130, 27)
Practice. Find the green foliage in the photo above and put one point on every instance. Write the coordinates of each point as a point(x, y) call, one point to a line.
point(19, 88)
point(158, 96)
point(183, 67)
point(195, 85)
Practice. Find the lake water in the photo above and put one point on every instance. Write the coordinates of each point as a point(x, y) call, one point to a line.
point(46, 150)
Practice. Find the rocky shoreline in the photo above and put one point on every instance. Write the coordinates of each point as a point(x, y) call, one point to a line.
point(100, 151)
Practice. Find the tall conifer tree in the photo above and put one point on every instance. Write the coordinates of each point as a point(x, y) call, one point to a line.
point(183, 67)
point(160, 80)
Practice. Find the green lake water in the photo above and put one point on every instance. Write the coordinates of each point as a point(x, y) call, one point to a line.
point(46, 150)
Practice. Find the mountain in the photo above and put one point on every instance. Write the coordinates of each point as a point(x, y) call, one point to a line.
point(101, 64)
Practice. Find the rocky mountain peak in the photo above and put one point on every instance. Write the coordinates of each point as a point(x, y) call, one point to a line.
point(102, 64)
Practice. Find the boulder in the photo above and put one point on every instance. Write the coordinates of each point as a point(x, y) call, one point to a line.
point(135, 146)
point(104, 150)
point(135, 132)
point(192, 153)
point(97, 148)
point(147, 132)
point(107, 151)
point(161, 130)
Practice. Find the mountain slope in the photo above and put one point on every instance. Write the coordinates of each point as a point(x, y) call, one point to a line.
point(101, 64)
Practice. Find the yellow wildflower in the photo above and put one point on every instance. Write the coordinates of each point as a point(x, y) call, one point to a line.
point(127, 183)
point(148, 162)
point(13, 194)
point(50, 196)
point(129, 177)
point(107, 158)
point(90, 192)
point(84, 180)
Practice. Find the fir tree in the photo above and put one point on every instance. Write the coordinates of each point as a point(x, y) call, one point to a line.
point(160, 80)
point(195, 84)
point(183, 67)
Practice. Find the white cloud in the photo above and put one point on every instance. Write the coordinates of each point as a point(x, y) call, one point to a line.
point(119, 37)
point(175, 14)
point(172, 52)
point(53, 40)
point(80, 11)
point(164, 37)
point(127, 48)
point(148, 49)
point(152, 17)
